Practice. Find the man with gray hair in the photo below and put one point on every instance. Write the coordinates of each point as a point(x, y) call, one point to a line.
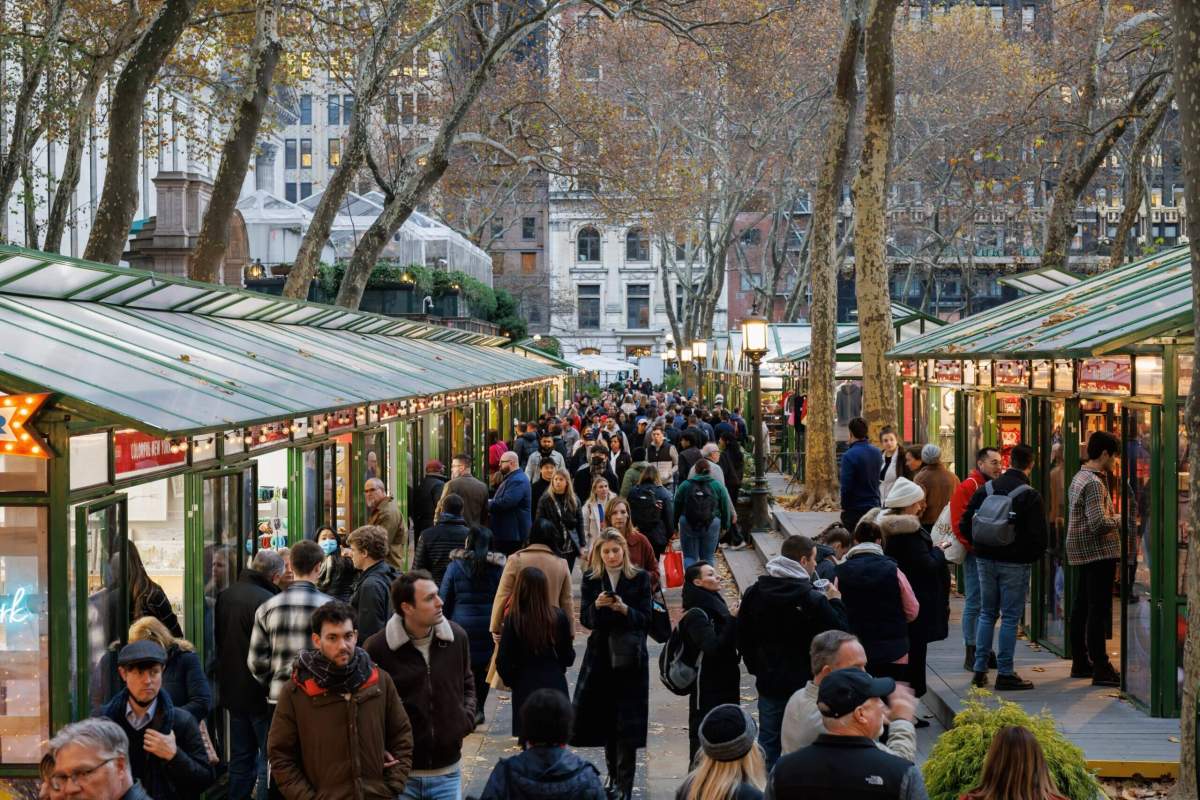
point(386, 514)
point(846, 757)
point(712, 452)
point(240, 694)
point(93, 756)
point(802, 719)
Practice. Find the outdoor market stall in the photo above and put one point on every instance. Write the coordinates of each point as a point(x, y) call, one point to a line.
point(1112, 352)
point(149, 425)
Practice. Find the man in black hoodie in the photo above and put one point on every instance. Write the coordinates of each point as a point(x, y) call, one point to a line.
point(1004, 570)
point(779, 616)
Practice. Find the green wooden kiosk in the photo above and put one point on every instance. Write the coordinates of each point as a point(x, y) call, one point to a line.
point(1112, 352)
point(159, 429)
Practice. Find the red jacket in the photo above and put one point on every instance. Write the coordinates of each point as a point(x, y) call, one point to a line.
point(641, 553)
point(961, 499)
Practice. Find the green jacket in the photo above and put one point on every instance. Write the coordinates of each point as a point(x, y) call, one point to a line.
point(723, 506)
point(633, 476)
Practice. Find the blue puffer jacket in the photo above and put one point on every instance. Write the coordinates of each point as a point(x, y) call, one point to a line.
point(544, 772)
point(510, 510)
point(467, 600)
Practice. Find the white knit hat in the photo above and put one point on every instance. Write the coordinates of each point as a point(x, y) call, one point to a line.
point(903, 494)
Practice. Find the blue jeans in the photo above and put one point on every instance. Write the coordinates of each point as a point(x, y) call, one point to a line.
point(699, 545)
point(248, 754)
point(770, 723)
point(1002, 588)
point(442, 787)
point(970, 614)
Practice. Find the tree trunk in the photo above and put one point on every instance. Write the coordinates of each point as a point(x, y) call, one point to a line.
point(119, 199)
point(870, 207)
point(20, 142)
point(1187, 82)
point(29, 202)
point(1137, 186)
point(64, 191)
point(239, 146)
point(820, 459)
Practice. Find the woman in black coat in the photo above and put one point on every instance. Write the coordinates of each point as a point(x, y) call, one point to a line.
point(561, 507)
point(925, 567)
point(536, 644)
point(612, 695)
point(468, 590)
point(620, 459)
point(711, 630)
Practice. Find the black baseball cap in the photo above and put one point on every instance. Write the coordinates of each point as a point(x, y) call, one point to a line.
point(143, 652)
point(844, 690)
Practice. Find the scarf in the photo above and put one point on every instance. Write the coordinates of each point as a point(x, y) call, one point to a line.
point(783, 567)
point(711, 602)
point(330, 677)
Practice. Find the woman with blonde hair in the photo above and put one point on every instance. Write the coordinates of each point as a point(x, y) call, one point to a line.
point(1015, 769)
point(730, 765)
point(641, 552)
point(560, 506)
point(612, 695)
point(183, 675)
point(593, 515)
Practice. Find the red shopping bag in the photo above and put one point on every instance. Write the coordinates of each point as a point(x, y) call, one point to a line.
point(673, 568)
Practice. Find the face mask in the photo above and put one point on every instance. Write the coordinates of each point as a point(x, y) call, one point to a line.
point(329, 546)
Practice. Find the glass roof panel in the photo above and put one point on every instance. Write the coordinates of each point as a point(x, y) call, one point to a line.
point(244, 307)
point(170, 296)
point(16, 263)
point(54, 280)
point(106, 286)
point(134, 289)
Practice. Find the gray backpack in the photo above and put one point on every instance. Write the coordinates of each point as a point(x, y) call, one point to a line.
point(993, 522)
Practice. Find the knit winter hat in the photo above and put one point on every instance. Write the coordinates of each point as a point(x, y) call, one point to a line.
point(931, 454)
point(727, 733)
point(904, 493)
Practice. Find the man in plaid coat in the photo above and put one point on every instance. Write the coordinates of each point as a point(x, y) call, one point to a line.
point(1093, 545)
point(282, 624)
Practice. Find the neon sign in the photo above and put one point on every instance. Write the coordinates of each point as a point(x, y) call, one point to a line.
point(16, 610)
point(17, 436)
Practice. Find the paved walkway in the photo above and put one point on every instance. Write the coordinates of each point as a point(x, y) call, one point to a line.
point(1119, 739)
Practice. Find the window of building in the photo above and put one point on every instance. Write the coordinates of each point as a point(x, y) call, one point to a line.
point(306, 109)
point(680, 251)
point(408, 108)
point(497, 263)
point(528, 228)
point(306, 154)
point(289, 191)
point(335, 152)
point(24, 561)
point(497, 227)
point(751, 237)
point(333, 110)
point(637, 351)
point(1028, 14)
point(391, 109)
point(998, 16)
point(424, 104)
point(528, 263)
point(289, 154)
point(305, 189)
point(637, 305)
point(637, 245)
point(347, 109)
point(589, 306)
point(589, 244)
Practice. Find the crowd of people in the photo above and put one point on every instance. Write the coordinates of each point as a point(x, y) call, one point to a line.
point(348, 673)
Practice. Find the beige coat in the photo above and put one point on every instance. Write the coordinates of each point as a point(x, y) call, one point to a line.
point(555, 567)
point(387, 516)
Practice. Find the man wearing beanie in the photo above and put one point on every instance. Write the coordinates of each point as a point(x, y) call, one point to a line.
point(727, 737)
point(938, 482)
point(844, 761)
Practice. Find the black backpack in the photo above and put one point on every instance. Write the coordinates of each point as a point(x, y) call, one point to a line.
point(645, 508)
point(678, 665)
point(700, 504)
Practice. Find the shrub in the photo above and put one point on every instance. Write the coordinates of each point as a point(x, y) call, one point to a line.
point(956, 762)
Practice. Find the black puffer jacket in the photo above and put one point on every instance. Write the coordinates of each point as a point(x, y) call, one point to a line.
point(925, 567)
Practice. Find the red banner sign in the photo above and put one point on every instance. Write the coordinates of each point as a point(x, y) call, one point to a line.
point(135, 452)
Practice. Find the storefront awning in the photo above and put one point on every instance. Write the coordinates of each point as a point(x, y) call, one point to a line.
point(909, 322)
point(175, 357)
point(528, 349)
point(1109, 313)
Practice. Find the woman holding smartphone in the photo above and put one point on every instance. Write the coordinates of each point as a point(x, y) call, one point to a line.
point(612, 695)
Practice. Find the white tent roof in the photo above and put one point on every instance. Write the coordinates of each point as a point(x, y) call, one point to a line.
point(603, 364)
point(263, 207)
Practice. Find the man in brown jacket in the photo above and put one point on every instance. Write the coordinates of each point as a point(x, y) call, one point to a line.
point(428, 658)
point(340, 730)
point(474, 492)
point(386, 514)
point(938, 482)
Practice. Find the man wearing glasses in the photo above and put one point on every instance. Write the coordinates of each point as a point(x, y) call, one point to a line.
point(91, 762)
point(165, 751)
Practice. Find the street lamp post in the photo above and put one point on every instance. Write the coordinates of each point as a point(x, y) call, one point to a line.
point(685, 360)
point(700, 349)
point(754, 346)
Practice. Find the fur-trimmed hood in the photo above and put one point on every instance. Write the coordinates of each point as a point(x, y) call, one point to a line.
point(893, 524)
point(397, 635)
point(460, 554)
